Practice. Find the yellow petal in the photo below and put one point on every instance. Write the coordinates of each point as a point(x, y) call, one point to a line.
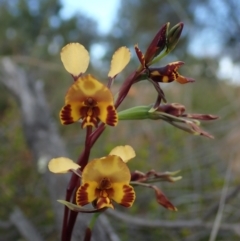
point(125, 152)
point(88, 86)
point(111, 167)
point(75, 58)
point(119, 61)
point(62, 165)
point(86, 193)
point(123, 194)
point(108, 114)
point(70, 113)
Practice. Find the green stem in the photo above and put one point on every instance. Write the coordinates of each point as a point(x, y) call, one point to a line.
point(94, 219)
point(159, 57)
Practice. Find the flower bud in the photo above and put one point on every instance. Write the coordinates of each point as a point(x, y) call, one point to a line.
point(172, 109)
point(134, 113)
point(163, 200)
point(157, 44)
point(173, 36)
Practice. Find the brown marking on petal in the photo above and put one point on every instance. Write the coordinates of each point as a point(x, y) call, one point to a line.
point(103, 193)
point(90, 113)
point(82, 195)
point(105, 183)
point(110, 192)
point(161, 78)
point(174, 75)
point(90, 116)
point(65, 115)
point(112, 117)
point(129, 196)
point(140, 55)
point(167, 73)
point(84, 111)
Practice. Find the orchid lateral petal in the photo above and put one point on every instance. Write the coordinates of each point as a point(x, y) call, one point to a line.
point(124, 152)
point(86, 193)
point(75, 58)
point(140, 55)
point(125, 194)
point(62, 165)
point(77, 208)
point(119, 61)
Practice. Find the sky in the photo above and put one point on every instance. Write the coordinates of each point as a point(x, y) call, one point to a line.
point(103, 11)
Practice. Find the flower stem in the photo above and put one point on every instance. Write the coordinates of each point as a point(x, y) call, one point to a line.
point(70, 219)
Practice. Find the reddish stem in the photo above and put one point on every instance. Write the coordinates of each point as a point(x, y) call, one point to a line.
point(72, 218)
point(127, 85)
point(69, 220)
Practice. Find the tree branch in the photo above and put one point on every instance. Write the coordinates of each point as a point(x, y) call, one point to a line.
point(24, 226)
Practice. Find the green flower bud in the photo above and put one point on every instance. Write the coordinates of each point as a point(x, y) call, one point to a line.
point(135, 113)
point(173, 36)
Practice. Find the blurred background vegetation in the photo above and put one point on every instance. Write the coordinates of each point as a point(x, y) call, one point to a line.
point(32, 34)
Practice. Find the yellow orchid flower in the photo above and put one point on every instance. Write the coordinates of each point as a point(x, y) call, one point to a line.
point(89, 100)
point(103, 180)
